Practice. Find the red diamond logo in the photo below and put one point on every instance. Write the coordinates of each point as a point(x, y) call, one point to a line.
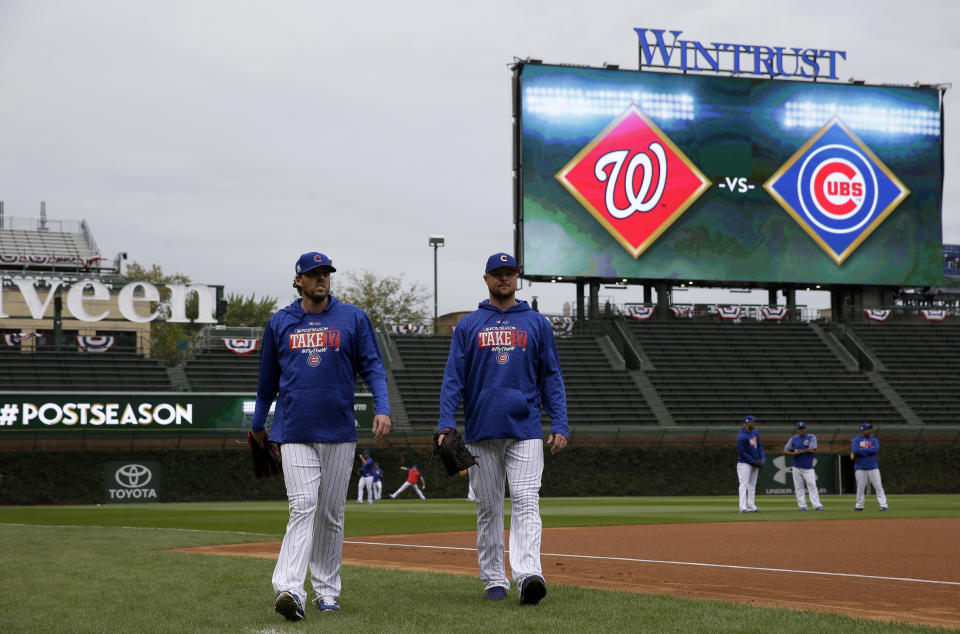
point(634, 180)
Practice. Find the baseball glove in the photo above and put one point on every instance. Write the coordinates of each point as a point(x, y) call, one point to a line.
point(454, 454)
point(266, 460)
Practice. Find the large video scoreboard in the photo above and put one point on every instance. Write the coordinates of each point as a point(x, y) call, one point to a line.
point(664, 176)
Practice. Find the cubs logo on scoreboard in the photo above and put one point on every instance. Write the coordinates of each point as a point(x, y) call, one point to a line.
point(634, 180)
point(836, 189)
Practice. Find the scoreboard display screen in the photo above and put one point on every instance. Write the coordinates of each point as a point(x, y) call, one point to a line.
point(641, 175)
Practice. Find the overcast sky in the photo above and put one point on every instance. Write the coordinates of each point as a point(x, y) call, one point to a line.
point(223, 139)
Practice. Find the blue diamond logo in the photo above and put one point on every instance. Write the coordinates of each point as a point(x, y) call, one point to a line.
point(836, 189)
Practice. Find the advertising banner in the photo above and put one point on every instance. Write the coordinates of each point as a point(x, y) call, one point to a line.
point(124, 412)
point(127, 481)
point(776, 476)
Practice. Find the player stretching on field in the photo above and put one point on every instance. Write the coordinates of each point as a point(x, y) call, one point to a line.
point(503, 364)
point(312, 351)
point(413, 479)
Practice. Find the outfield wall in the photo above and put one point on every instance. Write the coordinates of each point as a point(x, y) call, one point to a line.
point(189, 475)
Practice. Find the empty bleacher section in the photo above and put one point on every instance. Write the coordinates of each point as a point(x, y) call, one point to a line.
point(922, 363)
point(72, 371)
point(596, 392)
point(223, 371)
point(716, 373)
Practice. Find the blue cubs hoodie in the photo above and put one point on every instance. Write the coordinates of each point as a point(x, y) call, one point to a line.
point(504, 365)
point(309, 363)
point(865, 448)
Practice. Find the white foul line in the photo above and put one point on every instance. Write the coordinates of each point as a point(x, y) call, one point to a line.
point(680, 563)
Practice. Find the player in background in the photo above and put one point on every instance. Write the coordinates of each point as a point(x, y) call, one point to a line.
point(413, 479)
point(365, 482)
point(863, 452)
point(312, 351)
point(503, 365)
point(803, 447)
point(750, 458)
point(377, 481)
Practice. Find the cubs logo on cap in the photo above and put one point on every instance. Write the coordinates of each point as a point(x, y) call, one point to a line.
point(801, 425)
point(866, 426)
point(501, 260)
point(310, 261)
point(836, 189)
point(749, 419)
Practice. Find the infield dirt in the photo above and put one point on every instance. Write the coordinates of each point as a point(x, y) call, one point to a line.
point(896, 569)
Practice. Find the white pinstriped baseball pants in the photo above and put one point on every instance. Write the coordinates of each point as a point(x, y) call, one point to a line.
point(747, 474)
point(805, 479)
point(316, 476)
point(520, 463)
point(365, 482)
point(862, 476)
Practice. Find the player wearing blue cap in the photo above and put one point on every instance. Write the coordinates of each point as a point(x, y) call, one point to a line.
point(365, 483)
point(863, 452)
point(803, 447)
point(503, 365)
point(312, 351)
point(750, 458)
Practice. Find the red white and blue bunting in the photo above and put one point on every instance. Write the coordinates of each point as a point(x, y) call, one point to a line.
point(728, 312)
point(93, 343)
point(14, 339)
point(876, 314)
point(933, 314)
point(640, 313)
point(682, 311)
point(770, 313)
point(409, 329)
point(562, 326)
point(240, 346)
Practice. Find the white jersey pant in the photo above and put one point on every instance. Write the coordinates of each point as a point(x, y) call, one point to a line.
point(873, 476)
point(377, 489)
point(747, 474)
point(805, 478)
point(404, 486)
point(316, 476)
point(520, 464)
point(365, 483)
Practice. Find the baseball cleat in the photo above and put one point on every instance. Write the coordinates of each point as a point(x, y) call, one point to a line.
point(495, 593)
point(803, 508)
point(856, 508)
point(755, 511)
point(819, 508)
point(882, 509)
point(532, 589)
point(326, 604)
point(744, 511)
point(289, 606)
point(369, 501)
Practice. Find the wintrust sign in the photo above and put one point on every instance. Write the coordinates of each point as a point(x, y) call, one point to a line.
point(727, 57)
point(134, 293)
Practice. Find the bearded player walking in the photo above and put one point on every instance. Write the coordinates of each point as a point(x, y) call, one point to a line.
point(503, 364)
point(312, 351)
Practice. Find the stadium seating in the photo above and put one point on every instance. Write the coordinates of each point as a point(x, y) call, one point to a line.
point(922, 364)
point(596, 392)
point(54, 372)
point(716, 373)
point(223, 371)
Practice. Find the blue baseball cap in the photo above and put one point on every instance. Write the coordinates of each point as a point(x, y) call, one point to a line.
point(866, 426)
point(501, 260)
point(414, 467)
point(366, 452)
point(749, 419)
point(310, 261)
point(801, 425)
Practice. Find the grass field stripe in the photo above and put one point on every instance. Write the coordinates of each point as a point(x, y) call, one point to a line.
point(274, 536)
point(680, 563)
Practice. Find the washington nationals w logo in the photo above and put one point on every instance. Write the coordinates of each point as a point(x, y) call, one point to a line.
point(633, 180)
point(638, 200)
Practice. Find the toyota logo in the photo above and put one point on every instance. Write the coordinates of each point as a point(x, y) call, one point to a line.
point(133, 476)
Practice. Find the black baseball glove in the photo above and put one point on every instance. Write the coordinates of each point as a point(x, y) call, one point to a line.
point(266, 460)
point(455, 455)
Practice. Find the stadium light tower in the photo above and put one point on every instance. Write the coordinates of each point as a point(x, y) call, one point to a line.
point(435, 242)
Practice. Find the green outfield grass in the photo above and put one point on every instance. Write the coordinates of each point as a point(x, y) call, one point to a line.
point(110, 569)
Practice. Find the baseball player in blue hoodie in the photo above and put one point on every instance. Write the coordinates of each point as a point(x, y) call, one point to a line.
point(503, 365)
point(750, 458)
point(863, 450)
point(312, 351)
point(803, 447)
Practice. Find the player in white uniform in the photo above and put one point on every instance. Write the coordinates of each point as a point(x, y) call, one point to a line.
point(803, 448)
point(365, 482)
point(503, 364)
point(312, 351)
